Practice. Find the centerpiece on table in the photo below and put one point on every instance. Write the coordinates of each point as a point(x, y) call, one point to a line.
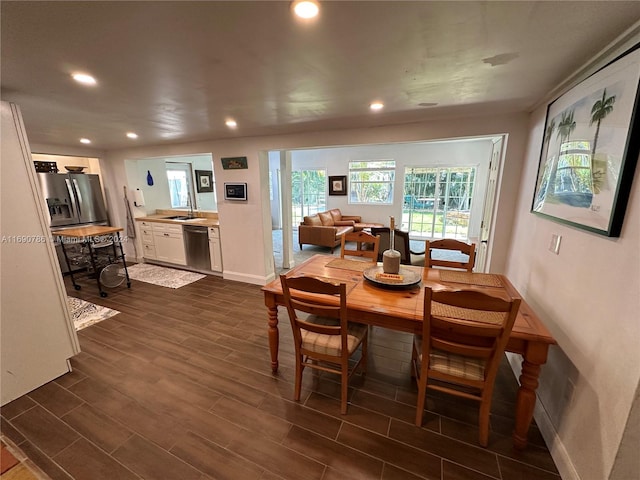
point(391, 257)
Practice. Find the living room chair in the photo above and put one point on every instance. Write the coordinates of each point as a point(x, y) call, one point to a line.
point(360, 238)
point(401, 244)
point(464, 334)
point(452, 245)
point(318, 314)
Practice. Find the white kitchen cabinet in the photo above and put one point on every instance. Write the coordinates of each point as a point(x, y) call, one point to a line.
point(169, 243)
point(214, 249)
point(148, 243)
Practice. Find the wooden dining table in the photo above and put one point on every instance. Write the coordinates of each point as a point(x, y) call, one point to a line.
point(402, 309)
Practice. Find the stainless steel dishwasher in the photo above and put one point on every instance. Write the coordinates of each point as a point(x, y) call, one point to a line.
point(196, 245)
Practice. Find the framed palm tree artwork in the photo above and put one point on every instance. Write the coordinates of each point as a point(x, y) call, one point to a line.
point(590, 149)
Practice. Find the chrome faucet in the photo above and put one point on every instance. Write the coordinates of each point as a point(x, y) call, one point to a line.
point(190, 205)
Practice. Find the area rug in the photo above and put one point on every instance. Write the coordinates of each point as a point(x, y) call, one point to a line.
point(164, 277)
point(86, 313)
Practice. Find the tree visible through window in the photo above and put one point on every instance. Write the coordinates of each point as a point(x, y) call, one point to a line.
point(308, 193)
point(180, 185)
point(371, 181)
point(437, 201)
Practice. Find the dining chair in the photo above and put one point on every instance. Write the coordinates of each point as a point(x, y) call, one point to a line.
point(452, 245)
point(401, 244)
point(464, 334)
point(318, 314)
point(361, 237)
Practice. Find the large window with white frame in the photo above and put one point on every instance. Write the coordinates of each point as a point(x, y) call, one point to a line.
point(371, 181)
point(437, 201)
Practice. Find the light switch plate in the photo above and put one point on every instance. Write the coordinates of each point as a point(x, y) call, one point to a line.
point(554, 244)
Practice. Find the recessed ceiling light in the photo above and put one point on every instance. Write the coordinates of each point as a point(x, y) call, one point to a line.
point(306, 8)
point(84, 78)
point(231, 123)
point(85, 140)
point(132, 135)
point(376, 106)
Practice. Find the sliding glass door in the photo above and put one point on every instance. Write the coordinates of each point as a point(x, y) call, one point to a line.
point(437, 201)
point(308, 193)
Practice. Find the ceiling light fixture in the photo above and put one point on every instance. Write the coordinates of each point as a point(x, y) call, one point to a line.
point(85, 140)
point(231, 123)
point(84, 78)
point(375, 106)
point(306, 8)
point(132, 135)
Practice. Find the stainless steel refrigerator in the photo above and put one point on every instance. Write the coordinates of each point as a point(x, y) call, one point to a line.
point(73, 200)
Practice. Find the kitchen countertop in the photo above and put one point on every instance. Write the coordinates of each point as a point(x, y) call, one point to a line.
point(161, 218)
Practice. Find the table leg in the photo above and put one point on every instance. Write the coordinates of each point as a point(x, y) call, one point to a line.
point(274, 335)
point(124, 263)
point(92, 258)
point(66, 258)
point(535, 356)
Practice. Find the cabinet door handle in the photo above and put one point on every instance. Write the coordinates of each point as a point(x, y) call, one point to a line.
point(166, 234)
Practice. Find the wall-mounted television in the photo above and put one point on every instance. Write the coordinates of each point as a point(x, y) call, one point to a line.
point(235, 191)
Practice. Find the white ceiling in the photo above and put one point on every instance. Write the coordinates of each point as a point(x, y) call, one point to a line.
point(174, 71)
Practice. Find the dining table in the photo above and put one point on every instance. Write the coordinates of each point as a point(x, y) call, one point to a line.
point(400, 307)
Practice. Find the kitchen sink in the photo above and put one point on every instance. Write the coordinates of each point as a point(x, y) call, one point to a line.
point(184, 218)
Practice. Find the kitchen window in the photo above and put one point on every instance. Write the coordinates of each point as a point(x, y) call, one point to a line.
point(180, 184)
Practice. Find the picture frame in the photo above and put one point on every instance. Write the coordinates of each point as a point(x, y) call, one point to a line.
point(234, 163)
point(338, 185)
point(591, 142)
point(204, 181)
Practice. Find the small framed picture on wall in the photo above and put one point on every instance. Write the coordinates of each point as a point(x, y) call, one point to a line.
point(338, 185)
point(204, 181)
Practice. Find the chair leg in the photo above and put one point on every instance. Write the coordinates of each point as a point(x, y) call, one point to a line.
point(485, 409)
point(422, 391)
point(365, 349)
point(344, 384)
point(298, 387)
point(414, 361)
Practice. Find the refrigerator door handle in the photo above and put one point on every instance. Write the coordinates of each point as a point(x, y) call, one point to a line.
point(74, 201)
point(79, 196)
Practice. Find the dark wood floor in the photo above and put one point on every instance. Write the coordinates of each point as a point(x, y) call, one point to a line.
point(178, 386)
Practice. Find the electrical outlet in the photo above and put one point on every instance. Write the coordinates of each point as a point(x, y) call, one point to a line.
point(554, 244)
point(569, 391)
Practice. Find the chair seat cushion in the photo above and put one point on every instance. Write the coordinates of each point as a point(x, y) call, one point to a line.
point(450, 364)
point(331, 344)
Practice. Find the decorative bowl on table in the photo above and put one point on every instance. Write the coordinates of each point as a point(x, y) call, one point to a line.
point(74, 169)
point(405, 278)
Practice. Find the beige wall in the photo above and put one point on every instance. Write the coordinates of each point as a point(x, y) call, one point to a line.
point(588, 296)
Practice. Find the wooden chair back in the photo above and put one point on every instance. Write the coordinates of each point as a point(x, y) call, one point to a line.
point(318, 313)
point(401, 244)
point(315, 297)
point(360, 238)
point(464, 335)
point(453, 245)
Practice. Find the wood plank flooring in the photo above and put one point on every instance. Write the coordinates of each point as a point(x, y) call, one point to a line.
point(178, 386)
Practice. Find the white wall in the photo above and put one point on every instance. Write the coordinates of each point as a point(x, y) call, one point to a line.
point(588, 296)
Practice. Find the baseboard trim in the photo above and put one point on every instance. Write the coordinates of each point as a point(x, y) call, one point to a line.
point(548, 431)
point(245, 278)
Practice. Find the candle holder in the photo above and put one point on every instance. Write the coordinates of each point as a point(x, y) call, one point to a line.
point(391, 257)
